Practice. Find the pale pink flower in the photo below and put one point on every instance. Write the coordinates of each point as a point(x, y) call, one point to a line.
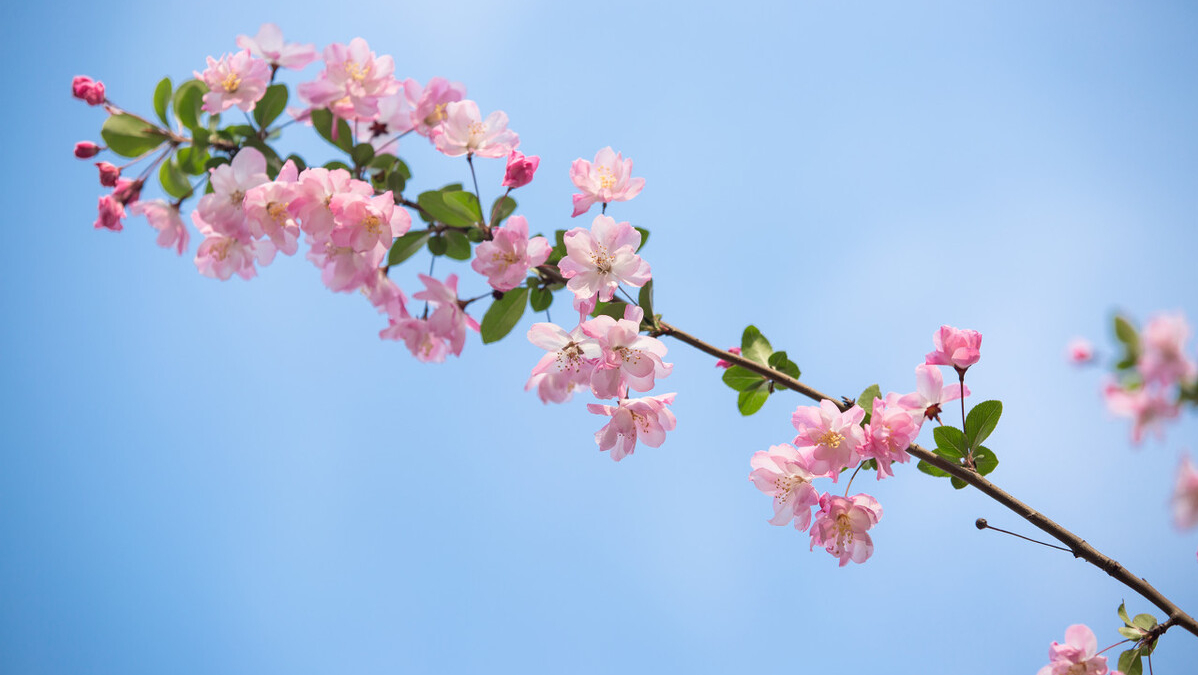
point(221, 255)
point(317, 187)
point(1163, 359)
point(1080, 351)
point(342, 269)
point(353, 81)
point(465, 132)
point(835, 437)
point(367, 223)
point(607, 179)
point(268, 210)
point(599, 260)
point(568, 363)
point(634, 419)
point(1185, 495)
point(1148, 407)
point(930, 394)
point(420, 337)
point(553, 387)
point(1078, 656)
point(86, 89)
point(385, 294)
point(268, 44)
point(237, 79)
point(520, 169)
point(510, 254)
point(223, 208)
point(629, 359)
point(842, 525)
point(727, 364)
point(428, 103)
point(166, 219)
point(955, 347)
point(785, 474)
point(86, 149)
point(394, 120)
point(449, 321)
point(890, 431)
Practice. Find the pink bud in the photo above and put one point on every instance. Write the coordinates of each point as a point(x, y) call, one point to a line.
point(87, 89)
point(520, 169)
point(727, 364)
point(127, 191)
point(108, 174)
point(85, 149)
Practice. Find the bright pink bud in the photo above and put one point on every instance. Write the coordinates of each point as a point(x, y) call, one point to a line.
point(955, 347)
point(86, 149)
point(520, 169)
point(727, 364)
point(87, 89)
point(108, 174)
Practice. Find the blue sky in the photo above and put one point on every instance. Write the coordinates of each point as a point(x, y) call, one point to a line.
point(240, 477)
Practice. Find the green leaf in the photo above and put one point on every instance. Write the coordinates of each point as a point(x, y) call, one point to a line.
point(336, 164)
point(930, 470)
point(1145, 621)
point(644, 238)
point(1131, 633)
point(433, 203)
point(984, 460)
point(1123, 613)
point(299, 162)
point(1130, 663)
point(950, 439)
point(406, 246)
point(437, 246)
point(194, 159)
point(869, 465)
point(540, 299)
point(396, 184)
point(614, 309)
point(958, 484)
point(645, 300)
point(362, 154)
point(271, 105)
point(162, 98)
point(457, 246)
point(751, 400)
point(128, 136)
point(754, 346)
point(1126, 333)
point(323, 121)
point(503, 314)
point(980, 422)
point(501, 209)
point(174, 180)
point(465, 205)
point(779, 361)
point(866, 399)
point(188, 102)
point(742, 379)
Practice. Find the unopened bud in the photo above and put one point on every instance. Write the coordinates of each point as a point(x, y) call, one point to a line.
point(108, 174)
point(86, 149)
point(87, 89)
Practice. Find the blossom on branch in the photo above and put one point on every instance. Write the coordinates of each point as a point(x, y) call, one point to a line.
point(634, 419)
point(890, 432)
point(930, 394)
point(352, 82)
point(268, 44)
point(1148, 408)
point(785, 474)
point(464, 132)
point(607, 179)
point(520, 169)
point(835, 438)
point(449, 321)
point(1078, 656)
point(1163, 359)
point(167, 220)
point(955, 347)
point(629, 359)
point(428, 103)
point(599, 260)
point(88, 90)
point(510, 254)
point(237, 79)
point(570, 360)
point(842, 524)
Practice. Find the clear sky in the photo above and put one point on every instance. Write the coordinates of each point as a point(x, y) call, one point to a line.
point(240, 477)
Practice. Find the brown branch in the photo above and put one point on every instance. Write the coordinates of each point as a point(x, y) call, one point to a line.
point(1076, 544)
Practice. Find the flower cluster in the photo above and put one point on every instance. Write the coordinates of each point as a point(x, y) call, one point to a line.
point(1160, 376)
point(831, 440)
point(1078, 656)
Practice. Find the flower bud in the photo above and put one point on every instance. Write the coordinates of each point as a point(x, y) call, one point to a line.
point(520, 169)
point(85, 149)
point(87, 89)
point(108, 174)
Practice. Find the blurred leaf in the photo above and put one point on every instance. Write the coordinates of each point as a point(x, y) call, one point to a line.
point(174, 180)
point(540, 299)
point(644, 238)
point(362, 154)
point(503, 314)
point(188, 102)
point(958, 484)
point(396, 184)
point(336, 164)
point(457, 246)
point(1131, 633)
point(750, 400)
point(614, 309)
point(980, 422)
point(162, 98)
point(437, 246)
point(406, 246)
point(128, 136)
point(1126, 333)
point(322, 120)
point(271, 105)
point(742, 379)
point(465, 205)
point(1123, 613)
point(1130, 663)
point(501, 209)
point(645, 300)
point(754, 346)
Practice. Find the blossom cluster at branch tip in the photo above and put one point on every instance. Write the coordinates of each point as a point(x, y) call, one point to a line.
point(600, 259)
point(88, 90)
point(237, 79)
point(955, 347)
point(1153, 388)
point(607, 179)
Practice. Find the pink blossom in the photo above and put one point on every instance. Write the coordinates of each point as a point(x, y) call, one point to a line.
point(87, 89)
point(785, 474)
point(835, 437)
point(629, 359)
point(890, 431)
point(568, 363)
point(449, 321)
point(317, 187)
point(930, 394)
point(510, 254)
point(394, 120)
point(465, 132)
point(110, 213)
point(86, 149)
point(428, 103)
point(367, 223)
point(425, 343)
point(599, 260)
point(385, 294)
point(842, 524)
point(223, 208)
point(1163, 359)
point(1078, 656)
point(353, 81)
point(108, 174)
point(1080, 350)
point(268, 44)
point(1148, 407)
point(607, 179)
point(223, 253)
point(342, 269)
point(269, 214)
point(955, 347)
point(1185, 495)
point(634, 419)
point(727, 364)
point(237, 79)
point(166, 219)
point(520, 169)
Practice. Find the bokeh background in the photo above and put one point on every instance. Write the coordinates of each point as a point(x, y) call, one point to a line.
point(240, 477)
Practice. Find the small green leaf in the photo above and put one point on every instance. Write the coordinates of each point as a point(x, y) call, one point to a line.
point(437, 246)
point(162, 98)
point(501, 209)
point(645, 300)
point(1130, 664)
point(742, 379)
point(754, 346)
point(194, 159)
point(457, 246)
point(362, 154)
point(751, 400)
point(396, 184)
point(958, 484)
point(1126, 333)
point(614, 309)
point(271, 105)
point(188, 102)
point(644, 238)
point(503, 314)
point(433, 203)
point(866, 399)
point(406, 246)
point(984, 460)
point(1145, 621)
point(1123, 613)
point(130, 137)
point(778, 361)
point(344, 138)
point(336, 164)
point(1131, 633)
point(540, 299)
point(869, 465)
point(465, 205)
point(980, 422)
point(299, 162)
point(950, 439)
point(930, 470)
point(174, 180)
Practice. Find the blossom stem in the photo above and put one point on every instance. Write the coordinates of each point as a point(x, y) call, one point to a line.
point(855, 471)
point(969, 453)
point(477, 194)
point(1078, 546)
point(1113, 646)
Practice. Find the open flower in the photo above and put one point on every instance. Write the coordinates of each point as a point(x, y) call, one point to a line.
point(464, 131)
point(635, 419)
point(834, 437)
point(629, 359)
point(599, 260)
point(352, 82)
point(955, 347)
point(567, 365)
point(1078, 656)
point(510, 254)
point(268, 44)
point(889, 433)
point(785, 474)
point(1148, 407)
point(842, 525)
point(1163, 359)
point(237, 79)
point(607, 179)
point(167, 220)
point(930, 394)
point(428, 103)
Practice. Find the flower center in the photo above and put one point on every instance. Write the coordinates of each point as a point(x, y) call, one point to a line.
point(830, 439)
point(231, 82)
point(277, 211)
point(844, 530)
point(356, 72)
point(372, 224)
point(607, 179)
point(569, 357)
point(434, 118)
point(236, 198)
point(785, 485)
point(505, 258)
point(478, 131)
point(601, 260)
